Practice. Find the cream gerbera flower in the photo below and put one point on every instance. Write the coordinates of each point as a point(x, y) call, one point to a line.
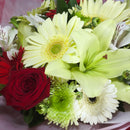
point(109, 10)
point(52, 42)
point(97, 109)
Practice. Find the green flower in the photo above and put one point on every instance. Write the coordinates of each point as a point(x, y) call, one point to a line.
point(61, 109)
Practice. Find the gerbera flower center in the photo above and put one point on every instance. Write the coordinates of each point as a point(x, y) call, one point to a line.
point(55, 48)
point(92, 100)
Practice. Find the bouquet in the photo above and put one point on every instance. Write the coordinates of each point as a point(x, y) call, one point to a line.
point(67, 61)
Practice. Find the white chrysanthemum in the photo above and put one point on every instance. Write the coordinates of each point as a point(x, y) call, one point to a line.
point(109, 10)
point(7, 35)
point(53, 41)
point(98, 109)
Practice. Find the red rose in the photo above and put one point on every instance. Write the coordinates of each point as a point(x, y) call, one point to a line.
point(26, 88)
point(7, 65)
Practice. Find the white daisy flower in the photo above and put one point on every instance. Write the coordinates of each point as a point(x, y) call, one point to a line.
point(109, 10)
point(7, 35)
point(97, 109)
point(52, 42)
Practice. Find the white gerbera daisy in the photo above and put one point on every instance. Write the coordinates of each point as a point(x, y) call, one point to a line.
point(52, 42)
point(97, 109)
point(109, 10)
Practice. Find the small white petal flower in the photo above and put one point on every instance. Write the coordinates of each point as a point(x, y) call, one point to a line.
point(7, 35)
point(35, 20)
point(122, 35)
point(97, 109)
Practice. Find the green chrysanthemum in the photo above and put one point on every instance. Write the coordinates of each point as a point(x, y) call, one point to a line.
point(61, 109)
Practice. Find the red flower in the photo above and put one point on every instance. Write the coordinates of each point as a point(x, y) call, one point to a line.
point(51, 13)
point(6, 65)
point(26, 88)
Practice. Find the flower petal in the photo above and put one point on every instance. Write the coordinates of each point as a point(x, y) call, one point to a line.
point(87, 45)
point(105, 32)
point(91, 82)
point(123, 91)
point(113, 63)
point(59, 69)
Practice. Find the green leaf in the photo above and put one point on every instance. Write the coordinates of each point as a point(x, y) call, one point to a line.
point(1, 87)
point(92, 83)
point(1, 52)
point(37, 119)
point(61, 6)
point(87, 45)
point(72, 3)
point(123, 91)
point(105, 31)
point(28, 116)
point(121, 106)
point(58, 69)
point(32, 118)
point(14, 21)
point(115, 63)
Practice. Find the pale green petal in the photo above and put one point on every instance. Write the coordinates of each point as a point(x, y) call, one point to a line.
point(90, 7)
point(60, 22)
point(47, 29)
point(117, 9)
point(71, 55)
point(105, 31)
point(36, 39)
point(87, 45)
point(124, 15)
point(123, 91)
point(74, 24)
point(58, 69)
point(114, 64)
point(91, 82)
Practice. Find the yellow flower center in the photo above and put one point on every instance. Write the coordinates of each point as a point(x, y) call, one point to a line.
point(55, 48)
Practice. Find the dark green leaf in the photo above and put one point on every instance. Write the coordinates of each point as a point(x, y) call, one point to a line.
point(37, 119)
point(32, 117)
point(61, 6)
point(72, 3)
point(121, 106)
point(1, 51)
point(28, 116)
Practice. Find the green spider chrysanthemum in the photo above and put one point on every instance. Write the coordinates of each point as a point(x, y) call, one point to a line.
point(61, 109)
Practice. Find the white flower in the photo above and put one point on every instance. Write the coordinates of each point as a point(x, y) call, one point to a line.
point(7, 35)
point(52, 42)
point(122, 36)
point(109, 10)
point(97, 109)
point(35, 20)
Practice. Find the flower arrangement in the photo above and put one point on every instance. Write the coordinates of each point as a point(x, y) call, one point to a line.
point(67, 62)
